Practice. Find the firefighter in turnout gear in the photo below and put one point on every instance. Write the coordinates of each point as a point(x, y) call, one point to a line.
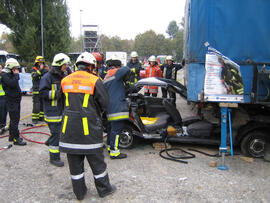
point(3, 109)
point(50, 91)
point(37, 72)
point(135, 67)
point(118, 108)
point(169, 71)
point(231, 77)
point(10, 82)
point(153, 70)
point(82, 131)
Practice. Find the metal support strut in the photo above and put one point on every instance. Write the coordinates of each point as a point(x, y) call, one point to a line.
point(223, 145)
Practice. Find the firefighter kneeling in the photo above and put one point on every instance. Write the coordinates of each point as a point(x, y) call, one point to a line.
point(82, 131)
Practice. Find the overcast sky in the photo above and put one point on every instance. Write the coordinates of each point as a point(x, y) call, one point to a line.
point(125, 18)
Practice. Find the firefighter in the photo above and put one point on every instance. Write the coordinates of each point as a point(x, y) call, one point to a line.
point(10, 82)
point(3, 109)
point(135, 67)
point(100, 69)
point(169, 71)
point(118, 111)
point(153, 70)
point(82, 131)
point(231, 77)
point(37, 72)
point(50, 91)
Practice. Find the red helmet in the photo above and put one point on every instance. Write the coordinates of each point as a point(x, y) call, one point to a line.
point(98, 56)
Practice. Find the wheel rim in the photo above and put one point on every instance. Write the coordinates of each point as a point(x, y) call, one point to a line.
point(125, 138)
point(257, 147)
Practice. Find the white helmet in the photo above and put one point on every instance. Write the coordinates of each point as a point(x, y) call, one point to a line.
point(87, 58)
point(152, 58)
point(11, 63)
point(134, 54)
point(60, 59)
point(169, 58)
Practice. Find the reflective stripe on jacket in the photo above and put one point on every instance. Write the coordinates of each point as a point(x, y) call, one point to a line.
point(36, 77)
point(2, 92)
point(152, 71)
point(51, 94)
point(135, 72)
point(114, 82)
point(85, 99)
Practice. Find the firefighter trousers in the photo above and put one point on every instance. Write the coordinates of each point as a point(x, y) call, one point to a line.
point(14, 110)
point(53, 140)
point(115, 129)
point(37, 113)
point(3, 112)
point(98, 166)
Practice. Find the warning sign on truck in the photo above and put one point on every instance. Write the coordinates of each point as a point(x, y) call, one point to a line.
point(223, 81)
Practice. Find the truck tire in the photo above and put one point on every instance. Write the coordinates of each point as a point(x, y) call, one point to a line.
point(126, 138)
point(253, 144)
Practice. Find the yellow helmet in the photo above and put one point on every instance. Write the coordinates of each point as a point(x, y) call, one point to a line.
point(39, 59)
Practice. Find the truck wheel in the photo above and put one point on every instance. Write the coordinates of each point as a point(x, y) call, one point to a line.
point(126, 138)
point(253, 144)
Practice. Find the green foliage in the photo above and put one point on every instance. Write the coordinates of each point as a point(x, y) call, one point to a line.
point(23, 18)
point(5, 43)
point(149, 43)
point(178, 42)
point(76, 45)
point(116, 44)
point(172, 29)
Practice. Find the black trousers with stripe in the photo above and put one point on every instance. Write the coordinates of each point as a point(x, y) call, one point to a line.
point(37, 108)
point(98, 166)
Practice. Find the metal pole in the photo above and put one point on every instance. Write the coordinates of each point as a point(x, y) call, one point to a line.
point(223, 145)
point(41, 27)
point(81, 28)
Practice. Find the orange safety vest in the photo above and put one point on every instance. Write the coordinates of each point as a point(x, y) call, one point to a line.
point(79, 82)
point(152, 71)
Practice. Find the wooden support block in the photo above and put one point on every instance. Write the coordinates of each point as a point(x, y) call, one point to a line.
point(230, 105)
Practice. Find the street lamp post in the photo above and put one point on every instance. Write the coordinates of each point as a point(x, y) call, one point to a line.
point(41, 27)
point(81, 28)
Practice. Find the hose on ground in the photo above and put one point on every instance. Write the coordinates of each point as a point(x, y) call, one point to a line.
point(175, 158)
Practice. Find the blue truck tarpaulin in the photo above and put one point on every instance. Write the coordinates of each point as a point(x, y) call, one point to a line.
point(240, 29)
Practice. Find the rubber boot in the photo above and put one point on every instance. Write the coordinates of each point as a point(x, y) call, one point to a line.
point(120, 156)
point(104, 188)
point(55, 159)
point(19, 141)
point(267, 152)
point(79, 188)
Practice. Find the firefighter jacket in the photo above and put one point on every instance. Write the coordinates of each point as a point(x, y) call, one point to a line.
point(10, 83)
point(170, 71)
point(152, 71)
point(50, 91)
point(85, 99)
point(36, 76)
point(2, 92)
point(135, 72)
point(232, 80)
point(103, 71)
point(114, 82)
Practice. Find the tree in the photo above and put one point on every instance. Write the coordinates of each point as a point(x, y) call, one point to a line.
point(178, 42)
point(115, 44)
point(5, 43)
point(149, 43)
point(23, 18)
point(172, 29)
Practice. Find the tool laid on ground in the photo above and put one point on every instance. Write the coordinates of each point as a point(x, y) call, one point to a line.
point(6, 147)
